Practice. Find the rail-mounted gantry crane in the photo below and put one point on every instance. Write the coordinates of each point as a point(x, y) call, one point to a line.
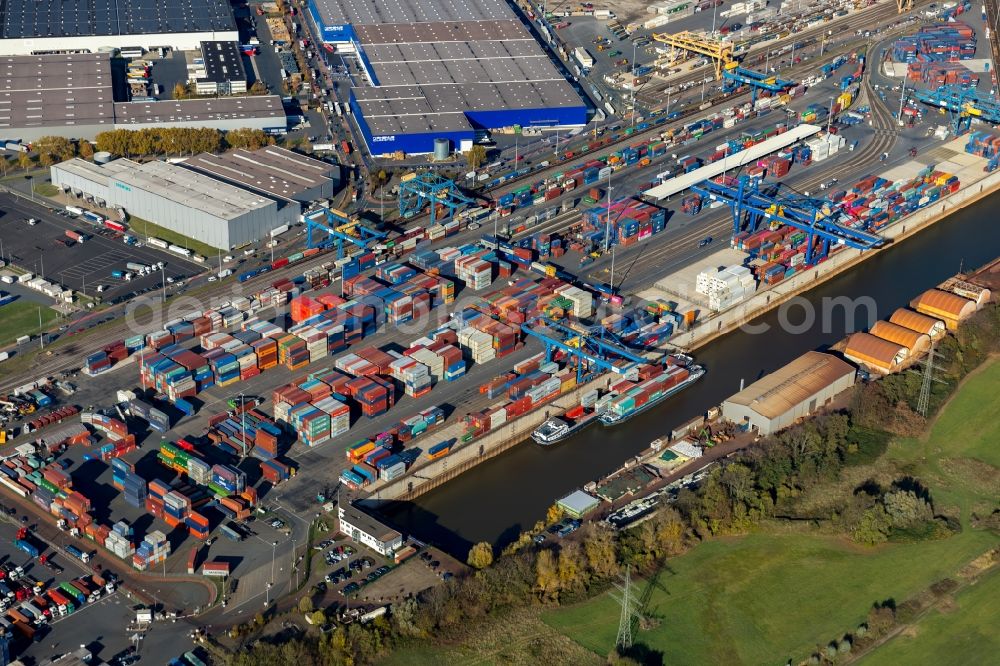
point(821, 220)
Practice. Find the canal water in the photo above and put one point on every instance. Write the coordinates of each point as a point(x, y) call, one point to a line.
point(498, 499)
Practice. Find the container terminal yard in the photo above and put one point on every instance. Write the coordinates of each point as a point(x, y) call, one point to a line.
point(334, 363)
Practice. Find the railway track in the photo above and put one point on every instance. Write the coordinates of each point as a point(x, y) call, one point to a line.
point(71, 356)
point(806, 38)
point(660, 259)
point(852, 23)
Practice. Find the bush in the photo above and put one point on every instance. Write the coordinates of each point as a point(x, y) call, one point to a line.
point(480, 555)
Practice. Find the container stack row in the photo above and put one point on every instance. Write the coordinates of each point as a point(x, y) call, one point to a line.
point(627, 220)
point(941, 42)
point(375, 459)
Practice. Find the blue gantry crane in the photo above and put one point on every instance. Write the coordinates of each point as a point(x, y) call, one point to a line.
point(429, 189)
point(337, 228)
point(734, 76)
point(962, 104)
point(818, 218)
point(595, 351)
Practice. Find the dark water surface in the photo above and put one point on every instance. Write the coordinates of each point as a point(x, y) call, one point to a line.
point(498, 499)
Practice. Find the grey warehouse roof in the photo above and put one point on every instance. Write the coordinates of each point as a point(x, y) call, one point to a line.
point(412, 109)
point(68, 18)
point(96, 173)
point(223, 62)
point(56, 90)
point(460, 62)
point(435, 60)
point(190, 110)
point(274, 170)
point(190, 188)
point(371, 12)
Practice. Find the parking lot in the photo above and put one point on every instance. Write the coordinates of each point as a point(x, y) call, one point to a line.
point(102, 625)
point(44, 249)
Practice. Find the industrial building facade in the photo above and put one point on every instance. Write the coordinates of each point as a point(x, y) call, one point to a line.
point(183, 200)
point(46, 26)
point(790, 393)
point(439, 69)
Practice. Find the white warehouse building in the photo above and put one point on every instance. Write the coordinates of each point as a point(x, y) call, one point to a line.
point(364, 529)
point(190, 203)
point(46, 26)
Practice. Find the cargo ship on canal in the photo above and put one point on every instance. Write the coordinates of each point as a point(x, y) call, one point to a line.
point(558, 428)
point(634, 398)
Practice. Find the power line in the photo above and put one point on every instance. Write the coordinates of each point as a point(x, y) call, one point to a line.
point(923, 402)
point(626, 598)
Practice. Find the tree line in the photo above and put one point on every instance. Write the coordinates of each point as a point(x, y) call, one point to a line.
point(147, 142)
point(179, 141)
point(762, 482)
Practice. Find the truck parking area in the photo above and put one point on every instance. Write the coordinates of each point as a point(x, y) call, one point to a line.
point(45, 248)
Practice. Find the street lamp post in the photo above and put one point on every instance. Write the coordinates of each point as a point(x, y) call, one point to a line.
point(243, 426)
point(163, 281)
point(634, 45)
point(274, 547)
point(902, 98)
point(607, 222)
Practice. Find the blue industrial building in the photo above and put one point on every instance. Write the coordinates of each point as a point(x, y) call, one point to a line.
point(438, 69)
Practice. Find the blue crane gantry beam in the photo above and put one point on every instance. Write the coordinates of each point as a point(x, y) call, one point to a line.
point(430, 189)
point(734, 76)
point(962, 104)
point(816, 217)
point(594, 350)
point(337, 228)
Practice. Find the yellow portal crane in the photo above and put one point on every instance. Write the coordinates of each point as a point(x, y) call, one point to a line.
point(721, 52)
point(904, 5)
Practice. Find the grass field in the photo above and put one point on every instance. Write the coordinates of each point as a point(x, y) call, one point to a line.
point(769, 597)
point(964, 633)
point(960, 458)
point(46, 189)
point(521, 639)
point(21, 318)
point(147, 228)
point(766, 598)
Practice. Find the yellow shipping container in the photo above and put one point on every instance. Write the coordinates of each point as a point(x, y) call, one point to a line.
point(845, 100)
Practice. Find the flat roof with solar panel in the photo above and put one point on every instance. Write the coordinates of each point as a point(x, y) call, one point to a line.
point(451, 68)
point(223, 62)
point(58, 18)
point(57, 26)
